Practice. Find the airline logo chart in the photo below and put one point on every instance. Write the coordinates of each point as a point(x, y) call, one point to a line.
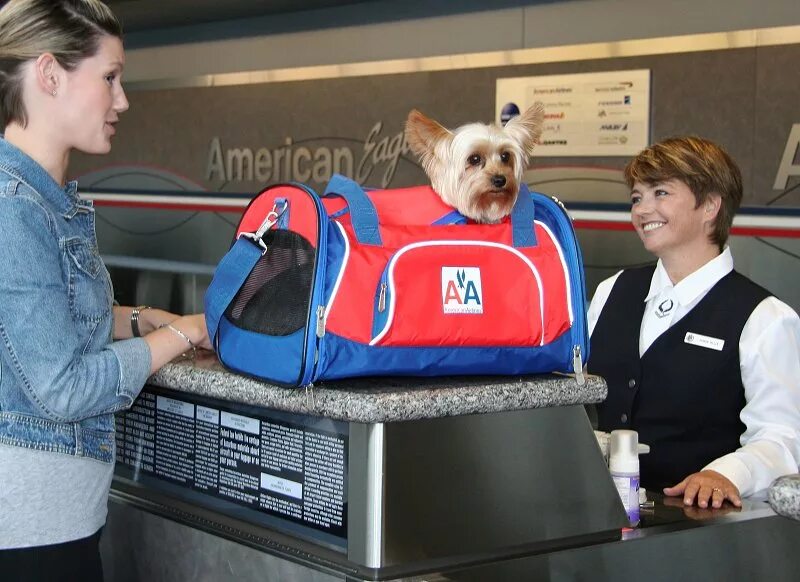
point(588, 114)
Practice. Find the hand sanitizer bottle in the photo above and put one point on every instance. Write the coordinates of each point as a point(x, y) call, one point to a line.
point(623, 462)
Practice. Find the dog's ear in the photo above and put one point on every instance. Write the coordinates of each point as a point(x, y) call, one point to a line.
point(527, 127)
point(422, 133)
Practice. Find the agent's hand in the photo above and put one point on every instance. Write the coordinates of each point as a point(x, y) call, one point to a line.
point(707, 488)
point(699, 513)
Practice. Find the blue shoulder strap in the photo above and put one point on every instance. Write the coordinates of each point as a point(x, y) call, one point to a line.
point(362, 212)
point(229, 277)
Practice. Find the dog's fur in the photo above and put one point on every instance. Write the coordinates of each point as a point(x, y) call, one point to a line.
point(476, 168)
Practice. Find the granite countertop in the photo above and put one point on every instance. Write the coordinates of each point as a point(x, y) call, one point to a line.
point(386, 399)
point(784, 496)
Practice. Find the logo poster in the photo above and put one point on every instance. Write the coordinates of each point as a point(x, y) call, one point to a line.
point(587, 114)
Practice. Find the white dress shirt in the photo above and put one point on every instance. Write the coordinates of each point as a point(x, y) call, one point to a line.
point(769, 356)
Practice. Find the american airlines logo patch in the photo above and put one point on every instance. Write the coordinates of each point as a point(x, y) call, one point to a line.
point(461, 290)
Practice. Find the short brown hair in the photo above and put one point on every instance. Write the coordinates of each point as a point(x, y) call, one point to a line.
point(702, 165)
point(69, 29)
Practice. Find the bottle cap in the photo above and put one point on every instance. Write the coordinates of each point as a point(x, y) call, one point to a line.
point(623, 451)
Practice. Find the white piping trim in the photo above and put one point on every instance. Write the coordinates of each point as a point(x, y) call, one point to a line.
point(340, 276)
point(563, 265)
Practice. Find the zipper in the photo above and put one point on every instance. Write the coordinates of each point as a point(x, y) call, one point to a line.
point(577, 366)
point(382, 298)
point(572, 254)
point(313, 342)
point(320, 323)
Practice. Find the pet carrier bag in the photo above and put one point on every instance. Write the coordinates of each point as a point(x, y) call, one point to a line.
point(395, 282)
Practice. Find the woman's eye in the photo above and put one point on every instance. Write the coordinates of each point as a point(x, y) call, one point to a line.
point(110, 78)
point(635, 200)
point(505, 157)
point(661, 193)
point(474, 160)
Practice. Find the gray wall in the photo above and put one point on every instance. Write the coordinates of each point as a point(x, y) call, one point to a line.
point(393, 29)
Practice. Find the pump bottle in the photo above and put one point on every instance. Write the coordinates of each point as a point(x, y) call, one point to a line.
point(623, 463)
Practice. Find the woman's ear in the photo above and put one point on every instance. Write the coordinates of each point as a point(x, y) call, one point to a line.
point(48, 73)
point(711, 206)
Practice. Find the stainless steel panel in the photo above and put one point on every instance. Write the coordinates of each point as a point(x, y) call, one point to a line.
point(366, 494)
point(470, 488)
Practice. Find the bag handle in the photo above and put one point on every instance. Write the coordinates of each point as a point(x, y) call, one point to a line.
point(365, 217)
point(522, 217)
point(362, 212)
point(229, 276)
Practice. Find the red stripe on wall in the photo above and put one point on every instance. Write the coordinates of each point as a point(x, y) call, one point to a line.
point(579, 224)
point(602, 225)
point(171, 206)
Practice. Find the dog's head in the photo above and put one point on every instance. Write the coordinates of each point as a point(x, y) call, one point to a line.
point(476, 168)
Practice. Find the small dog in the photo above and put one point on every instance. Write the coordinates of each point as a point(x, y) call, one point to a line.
point(476, 168)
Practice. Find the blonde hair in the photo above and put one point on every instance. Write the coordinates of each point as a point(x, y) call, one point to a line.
point(702, 165)
point(68, 29)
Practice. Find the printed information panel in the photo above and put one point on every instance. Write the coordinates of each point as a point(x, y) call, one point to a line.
point(585, 114)
point(289, 470)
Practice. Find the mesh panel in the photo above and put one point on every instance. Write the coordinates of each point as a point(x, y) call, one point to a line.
point(274, 299)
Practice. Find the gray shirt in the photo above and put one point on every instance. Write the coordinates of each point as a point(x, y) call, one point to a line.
point(50, 498)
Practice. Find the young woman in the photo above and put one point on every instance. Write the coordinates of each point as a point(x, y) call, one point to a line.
point(68, 358)
point(700, 360)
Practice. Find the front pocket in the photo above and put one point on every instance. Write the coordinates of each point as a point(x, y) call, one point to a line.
point(464, 293)
point(88, 287)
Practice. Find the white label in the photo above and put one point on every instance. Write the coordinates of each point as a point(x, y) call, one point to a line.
point(282, 486)
point(238, 422)
point(175, 406)
point(628, 489)
point(210, 415)
point(704, 341)
point(461, 290)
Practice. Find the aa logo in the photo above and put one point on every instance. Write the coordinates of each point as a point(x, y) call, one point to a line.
point(461, 290)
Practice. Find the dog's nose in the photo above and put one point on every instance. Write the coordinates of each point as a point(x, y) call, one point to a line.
point(498, 181)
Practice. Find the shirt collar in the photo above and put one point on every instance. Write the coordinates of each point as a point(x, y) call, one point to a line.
point(21, 166)
point(694, 285)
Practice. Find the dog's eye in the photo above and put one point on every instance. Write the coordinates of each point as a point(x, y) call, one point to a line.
point(474, 160)
point(505, 157)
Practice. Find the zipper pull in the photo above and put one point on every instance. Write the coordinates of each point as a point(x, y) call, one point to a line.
point(382, 298)
point(577, 366)
point(561, 205)
point(320, 321)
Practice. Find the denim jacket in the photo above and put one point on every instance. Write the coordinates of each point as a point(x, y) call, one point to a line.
point(61, 376)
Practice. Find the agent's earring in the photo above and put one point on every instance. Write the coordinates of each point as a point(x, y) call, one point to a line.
point(54, 92)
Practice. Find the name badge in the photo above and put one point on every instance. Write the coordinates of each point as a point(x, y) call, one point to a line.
point(704, 341)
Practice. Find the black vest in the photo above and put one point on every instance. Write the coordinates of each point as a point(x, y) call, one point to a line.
point(684, 400)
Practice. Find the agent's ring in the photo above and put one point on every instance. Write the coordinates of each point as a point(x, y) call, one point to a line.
point(716, 489)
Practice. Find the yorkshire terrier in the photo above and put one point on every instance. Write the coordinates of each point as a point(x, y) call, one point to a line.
point(476, 168)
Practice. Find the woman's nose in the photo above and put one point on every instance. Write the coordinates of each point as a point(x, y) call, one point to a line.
point(121, 101)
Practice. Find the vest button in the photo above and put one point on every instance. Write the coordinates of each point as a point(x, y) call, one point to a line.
point(624, 418)
point(632, 383)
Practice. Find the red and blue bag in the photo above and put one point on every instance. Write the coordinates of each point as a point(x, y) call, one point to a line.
point(395, 282)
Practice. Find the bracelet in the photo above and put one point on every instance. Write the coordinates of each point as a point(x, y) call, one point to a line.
point(135, 319)
point(176, 331)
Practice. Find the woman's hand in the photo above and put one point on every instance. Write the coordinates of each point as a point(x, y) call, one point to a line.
point(195, 327)
point(151, 319)
point(169, 342)
point(706, 486)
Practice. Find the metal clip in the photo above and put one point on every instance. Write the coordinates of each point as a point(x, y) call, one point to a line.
point(269, 221)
